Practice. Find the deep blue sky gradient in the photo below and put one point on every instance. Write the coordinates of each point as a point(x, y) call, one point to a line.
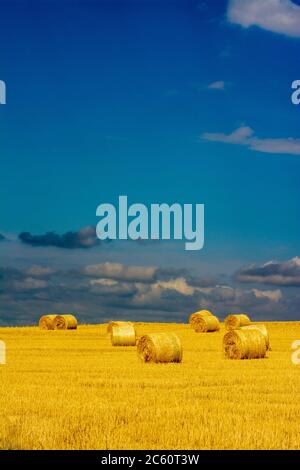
point(110, 97)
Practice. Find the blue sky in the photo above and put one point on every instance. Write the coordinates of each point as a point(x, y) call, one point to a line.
point(141, 98)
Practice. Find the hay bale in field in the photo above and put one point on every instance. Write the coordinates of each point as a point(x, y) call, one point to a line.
point(194, 316)
point(236, 321)
point(123, 335)
point(46, 322)
point(117, 323)
point(205, 323)
point(160, 347)
point(244, 344)
point(65, 322)
point(263, 330)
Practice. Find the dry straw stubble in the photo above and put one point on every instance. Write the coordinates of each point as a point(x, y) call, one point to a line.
point(160, 347)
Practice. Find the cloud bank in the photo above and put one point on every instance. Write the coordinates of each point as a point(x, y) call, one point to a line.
point(99, 292)
point(274, 273)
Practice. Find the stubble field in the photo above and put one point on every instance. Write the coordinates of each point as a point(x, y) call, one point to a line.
point(73, 390)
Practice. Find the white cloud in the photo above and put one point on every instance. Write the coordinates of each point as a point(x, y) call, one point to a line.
point(245, 136)
point(219, 85)
point(39, 271)
point(288, 145)
point(29, 284)
point(120, 272)
point(272, 295)
point(111, 287)
point(239, 136)
point(179, 284)
point(103, 282)
point(278, 16)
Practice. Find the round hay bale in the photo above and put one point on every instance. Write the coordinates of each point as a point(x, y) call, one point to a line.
point(206, 323)
point(65, 322)
point(117, 323)
point(244, 344)
point(201, 313)
point(46, 322)
point(160, 347)
point(236, 321)
point(261, 328)
point(123, 335)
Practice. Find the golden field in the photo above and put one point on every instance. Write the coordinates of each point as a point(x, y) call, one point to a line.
point(73, 390)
